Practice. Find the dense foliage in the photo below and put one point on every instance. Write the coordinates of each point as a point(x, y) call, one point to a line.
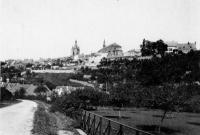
point(142, 83)
point(20, 93)
point(173, 68)
point(5, 94)
point(79, 99)
point(10, 72)
point(153, 48)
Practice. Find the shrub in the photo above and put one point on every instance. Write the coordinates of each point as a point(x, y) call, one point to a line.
point(71, 104)
point(50, 85)
point(193, 105)
point(67, 104)
point(20, 93)
point(5, 94)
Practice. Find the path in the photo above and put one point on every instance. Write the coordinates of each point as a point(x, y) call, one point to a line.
point(17, 119)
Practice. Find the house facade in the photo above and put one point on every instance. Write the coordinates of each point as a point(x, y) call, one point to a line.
point(183, 47)
point(133, 52)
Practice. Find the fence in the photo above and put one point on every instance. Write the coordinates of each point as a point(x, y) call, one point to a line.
point(94, 124)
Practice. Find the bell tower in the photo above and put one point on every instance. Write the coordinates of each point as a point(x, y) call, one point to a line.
point(104, 43)
point(75, 49)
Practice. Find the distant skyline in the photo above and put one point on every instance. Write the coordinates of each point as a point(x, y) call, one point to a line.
point(49, 28)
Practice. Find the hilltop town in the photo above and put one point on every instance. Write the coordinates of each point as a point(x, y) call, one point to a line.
point(100, 67)
point(155, 82)
point(78, 59)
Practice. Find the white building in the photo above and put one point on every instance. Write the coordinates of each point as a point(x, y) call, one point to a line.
point(60, 90)
point(94, 59)
point(112, 50)
point(133, 52)
point(184, 47)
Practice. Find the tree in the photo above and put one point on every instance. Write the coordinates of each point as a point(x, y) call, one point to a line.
point(104, 76)
point(153, 48)
point(167, 98)
point(50, 85)
point(5, 94)
point(120, 96)
point(20, 93)
point(40, 90)
point(28, 73)
point(29, 65)
point(161, 47)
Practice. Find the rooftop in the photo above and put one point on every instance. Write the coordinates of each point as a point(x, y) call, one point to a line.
point(109, 48)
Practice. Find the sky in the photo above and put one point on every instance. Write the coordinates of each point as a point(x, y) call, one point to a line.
point(49, 28)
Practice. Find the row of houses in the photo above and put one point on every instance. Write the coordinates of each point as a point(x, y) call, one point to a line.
point(114, 51)
point(77, 59)
point(184, 47)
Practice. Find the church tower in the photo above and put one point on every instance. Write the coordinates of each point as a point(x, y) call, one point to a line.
point(75, 49)
point(104, 43)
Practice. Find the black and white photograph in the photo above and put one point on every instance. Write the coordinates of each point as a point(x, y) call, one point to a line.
point(99, 67)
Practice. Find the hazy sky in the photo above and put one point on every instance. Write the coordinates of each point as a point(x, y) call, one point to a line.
point(48, 28)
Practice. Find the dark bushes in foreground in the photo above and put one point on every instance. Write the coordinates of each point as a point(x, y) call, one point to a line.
point(180, 97)
point(71, 104)
point(5, 94)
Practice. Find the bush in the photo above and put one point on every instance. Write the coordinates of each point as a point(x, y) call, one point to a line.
point(71, 104)
point(5, 94)
point(67, 104)
point(20, 93)
point(193, 105)
point(50, 85)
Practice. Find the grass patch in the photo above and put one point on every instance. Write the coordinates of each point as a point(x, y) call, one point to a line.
point(50, 123)
point(9, 103)
point(154, 129)
point(194, 123)
point(44, 122)
point(57, 79)
point(117, 117)
point(66, 123)
point(166, 117)
point(147, 119)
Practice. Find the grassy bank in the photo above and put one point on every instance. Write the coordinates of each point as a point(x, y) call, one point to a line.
point(49, 123)
point(44, 122)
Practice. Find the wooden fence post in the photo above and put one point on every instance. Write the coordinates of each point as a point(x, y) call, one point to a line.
point(109, 127)
point(84, 120)
point(120, 132)
point(93, 125)
point(100, 128)
point(88, 123)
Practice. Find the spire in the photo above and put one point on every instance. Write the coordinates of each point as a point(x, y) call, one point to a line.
point(104, 43)
point(75, 43)
point(75, 49)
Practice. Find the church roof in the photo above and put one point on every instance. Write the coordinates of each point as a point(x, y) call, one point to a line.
point(111, 47)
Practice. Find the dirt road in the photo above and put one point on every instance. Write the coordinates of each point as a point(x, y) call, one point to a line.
point(17, 119)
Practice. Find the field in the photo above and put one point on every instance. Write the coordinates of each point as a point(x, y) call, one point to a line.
point(54, 71)
point(174, 124)
point(58, 79)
